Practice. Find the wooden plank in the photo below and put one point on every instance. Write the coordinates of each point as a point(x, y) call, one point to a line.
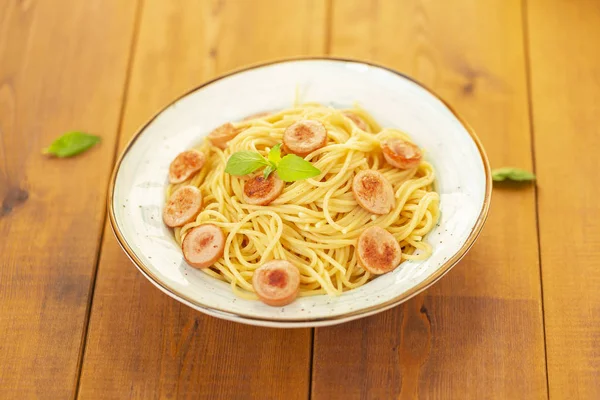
point(478, 333)
point(141, 343)
point(565, 82)
point(62, 67)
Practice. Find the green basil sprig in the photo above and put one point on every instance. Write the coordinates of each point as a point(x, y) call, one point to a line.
point(245, 162)
point(512, 174)
point(290, 168)
point(71, 144)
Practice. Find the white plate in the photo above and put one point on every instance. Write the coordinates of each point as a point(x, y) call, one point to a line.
point(136, 194)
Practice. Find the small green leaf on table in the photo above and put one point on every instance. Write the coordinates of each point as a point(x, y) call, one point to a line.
point(71, 144)
point(512, 174)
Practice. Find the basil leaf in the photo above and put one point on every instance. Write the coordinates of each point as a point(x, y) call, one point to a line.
point(293, 168)
point(245, 162)
point(275, 154)
point(512, 174)
point(71, 144)
point(268, 171)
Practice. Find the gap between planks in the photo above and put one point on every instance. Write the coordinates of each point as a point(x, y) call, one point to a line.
point(327, 51)
point(526, 51)
point(132, 47)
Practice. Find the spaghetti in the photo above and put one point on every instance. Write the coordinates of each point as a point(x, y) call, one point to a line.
point(314, 223)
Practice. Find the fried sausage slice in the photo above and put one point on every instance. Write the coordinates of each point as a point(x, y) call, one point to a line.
point(203, 245)
point(378, 251)
point(259, 191)
point(223, 134)
point(373, 192)
point(185, 165)
point(304, 137)
point(276, 283)
point(183, 206)
point(401, 154)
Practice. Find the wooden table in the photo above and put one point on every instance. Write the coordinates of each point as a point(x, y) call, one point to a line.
point(519, 318)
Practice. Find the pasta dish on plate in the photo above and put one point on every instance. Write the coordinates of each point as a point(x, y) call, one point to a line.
point(299, 202)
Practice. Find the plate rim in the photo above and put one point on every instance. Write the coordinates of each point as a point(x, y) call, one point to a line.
point(308, 321)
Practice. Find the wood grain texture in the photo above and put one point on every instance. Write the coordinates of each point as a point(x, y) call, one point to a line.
point(565, 83)
point(53, 210)
point(141, 343)
point(477, 333)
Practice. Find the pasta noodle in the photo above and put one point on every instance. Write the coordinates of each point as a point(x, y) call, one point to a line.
point(314, 223)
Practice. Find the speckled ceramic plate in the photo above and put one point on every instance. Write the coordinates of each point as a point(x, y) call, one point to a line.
point(136, 195)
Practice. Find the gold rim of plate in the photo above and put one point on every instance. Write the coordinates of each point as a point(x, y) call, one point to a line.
point(433, 278)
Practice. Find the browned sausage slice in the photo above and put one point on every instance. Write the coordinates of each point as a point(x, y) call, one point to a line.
point(304, 137)
point(401, 154)
point(203, 245)
point(261, 114)
point(183, 206)
point(223, 134)
point(259, 191)
point(358, 121)
point(378, 251)
point(276, 283)
point(373, 192)
point(185, 165)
